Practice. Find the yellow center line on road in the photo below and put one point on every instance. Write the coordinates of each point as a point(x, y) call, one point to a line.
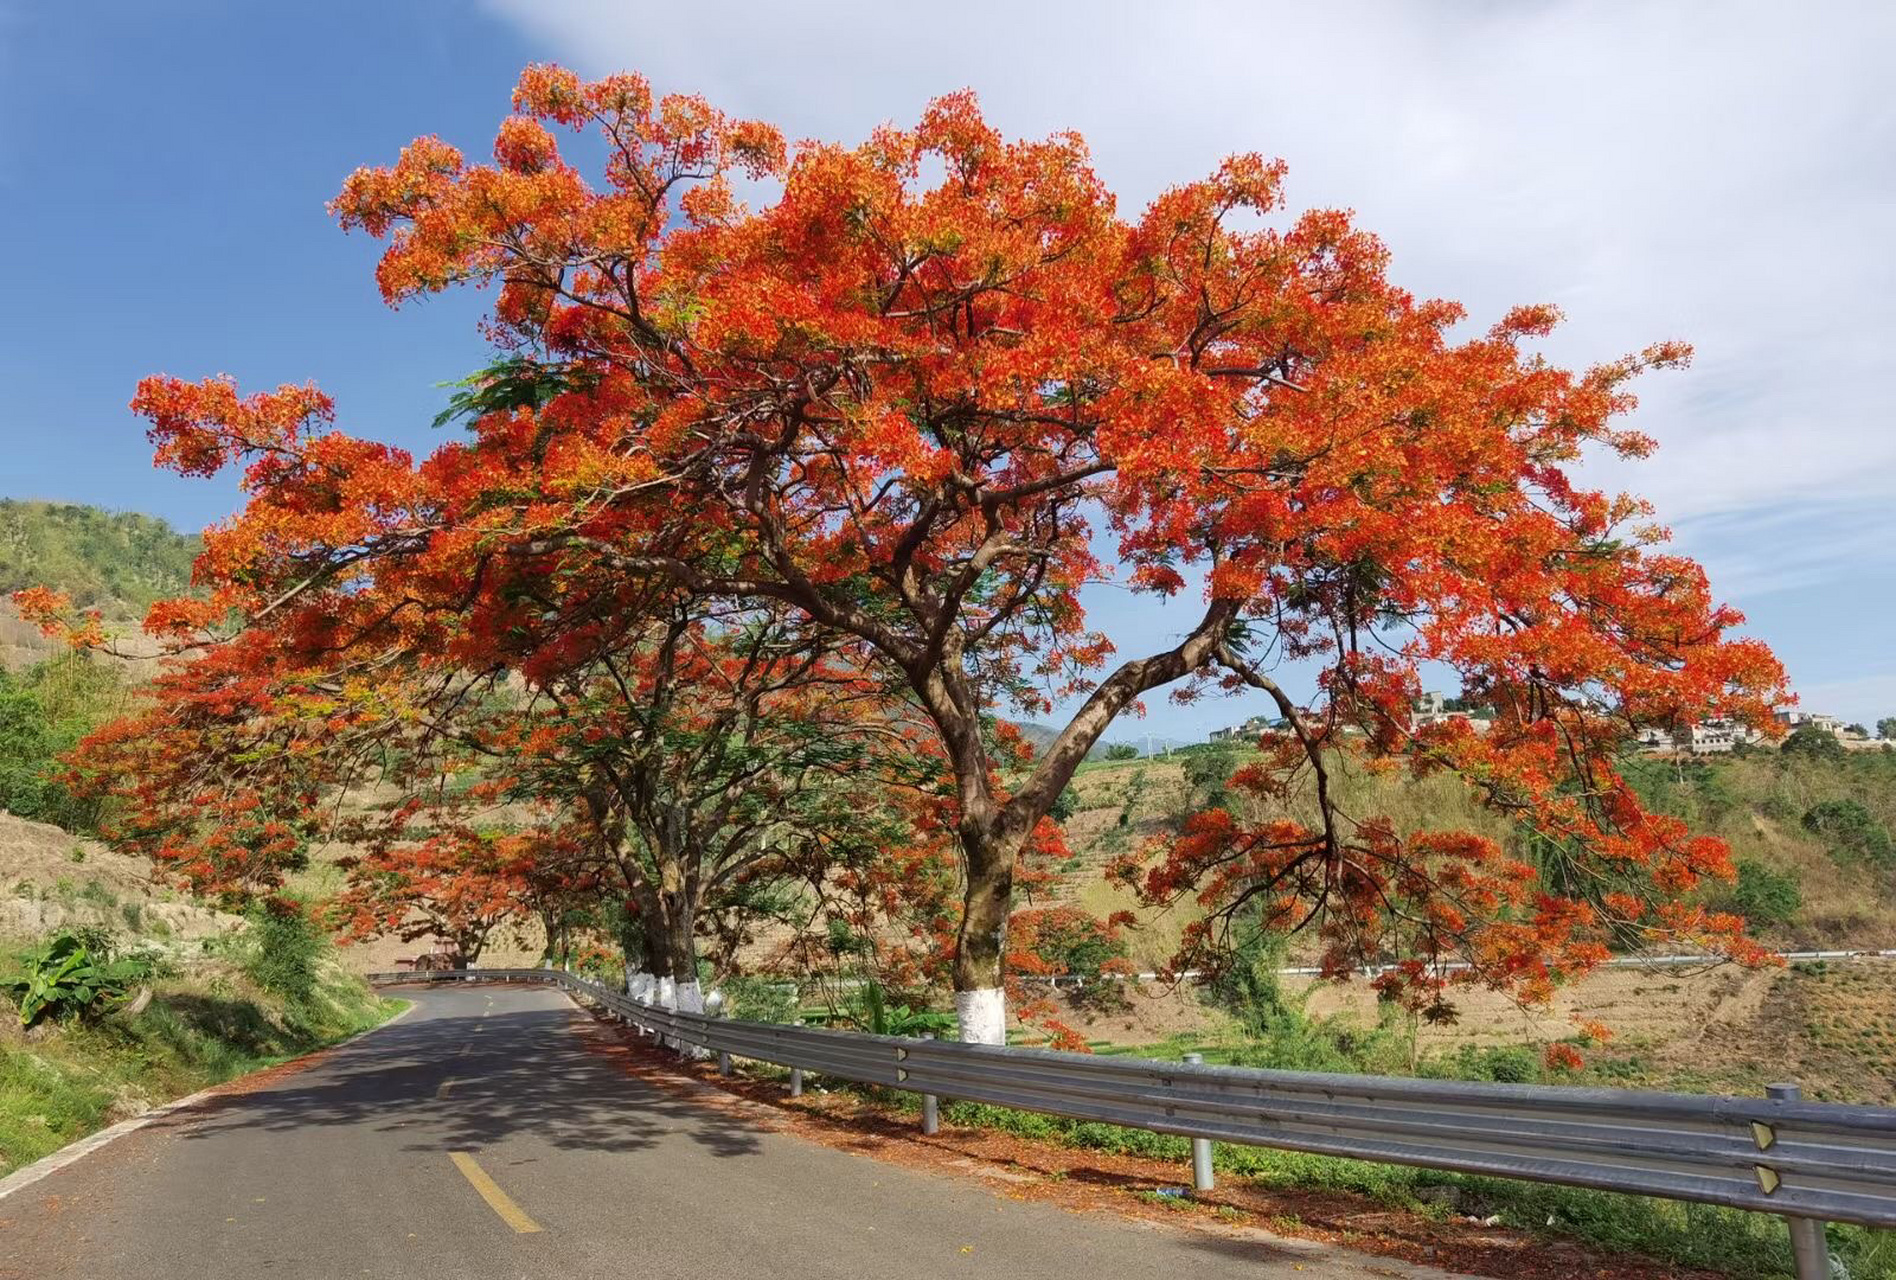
point(497, 1200)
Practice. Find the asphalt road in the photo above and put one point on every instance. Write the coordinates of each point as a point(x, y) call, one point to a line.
point(479, 1138)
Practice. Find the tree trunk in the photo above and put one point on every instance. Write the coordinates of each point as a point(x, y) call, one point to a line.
point(681, 956)
point(981, 944)
point(643, 985)
point(992, 835)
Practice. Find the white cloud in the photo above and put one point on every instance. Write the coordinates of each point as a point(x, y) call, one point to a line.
point(1721, 172)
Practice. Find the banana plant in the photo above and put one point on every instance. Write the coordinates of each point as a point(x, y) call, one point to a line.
point(873, 1013)
point(63, 977)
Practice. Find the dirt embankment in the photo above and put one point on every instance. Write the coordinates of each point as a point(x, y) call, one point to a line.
point(51, 879)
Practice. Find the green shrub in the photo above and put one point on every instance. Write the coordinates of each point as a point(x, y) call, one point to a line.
point(1279, 1034)
point(868, 1009)
point(1817, 744)
point(96, 938)
point(1064, 805)
point(63, 978)
point(1852, 832)
point(760, 998)
point(282, 950)
point(1249, 988)
point(1207, 771)
point(1502, 1064)
point(1777, 808)
point(1763, 896)
point(44, 711)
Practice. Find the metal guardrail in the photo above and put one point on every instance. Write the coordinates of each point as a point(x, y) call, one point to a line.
point(1808, 1161)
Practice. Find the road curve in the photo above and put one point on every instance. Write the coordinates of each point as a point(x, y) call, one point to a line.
point(479, 1138)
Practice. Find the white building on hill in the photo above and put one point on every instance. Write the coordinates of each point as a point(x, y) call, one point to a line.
point(1433, 708)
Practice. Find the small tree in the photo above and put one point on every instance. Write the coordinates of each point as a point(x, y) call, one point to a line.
point(1763, 896)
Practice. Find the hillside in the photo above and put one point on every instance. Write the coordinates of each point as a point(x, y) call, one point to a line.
point(51, 879)
point(1830, 1025)
point(116, 562)
point(1802, 888)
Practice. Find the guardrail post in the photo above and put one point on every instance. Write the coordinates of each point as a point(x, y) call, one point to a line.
point(931, 1106)
point(1807, 1234)
point(1201, 1147)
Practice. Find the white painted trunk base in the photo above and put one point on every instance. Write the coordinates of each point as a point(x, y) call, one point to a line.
point(690, 1000)
point(639, 985)
point(982, 1014)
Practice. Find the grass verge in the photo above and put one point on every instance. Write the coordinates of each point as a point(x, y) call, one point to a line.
point(60, 1085)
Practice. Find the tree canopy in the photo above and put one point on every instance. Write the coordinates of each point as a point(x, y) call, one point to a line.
point(929, 389)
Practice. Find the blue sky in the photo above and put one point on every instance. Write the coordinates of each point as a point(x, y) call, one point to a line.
point(1712, 172)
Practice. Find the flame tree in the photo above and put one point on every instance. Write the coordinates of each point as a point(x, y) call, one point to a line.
point(692, 772)
point(904, 396)
point(713, 762)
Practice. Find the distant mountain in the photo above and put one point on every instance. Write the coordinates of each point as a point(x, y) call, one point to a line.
point(1038, 736)
point(1041, 736)
point(115, 561)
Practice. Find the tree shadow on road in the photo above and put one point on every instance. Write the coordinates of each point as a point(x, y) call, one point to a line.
point(450, 1079)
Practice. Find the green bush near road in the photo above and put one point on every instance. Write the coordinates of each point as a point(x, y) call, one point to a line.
point(1851, 831)
point(282, 951)
point(44, 712)
point(202, 1027)
point(1764, 897)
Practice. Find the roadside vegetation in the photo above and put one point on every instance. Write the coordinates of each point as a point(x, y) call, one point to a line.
point(44, 711)
point(1275, 1032)
point(99, 1024)
point(1750, 1246)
